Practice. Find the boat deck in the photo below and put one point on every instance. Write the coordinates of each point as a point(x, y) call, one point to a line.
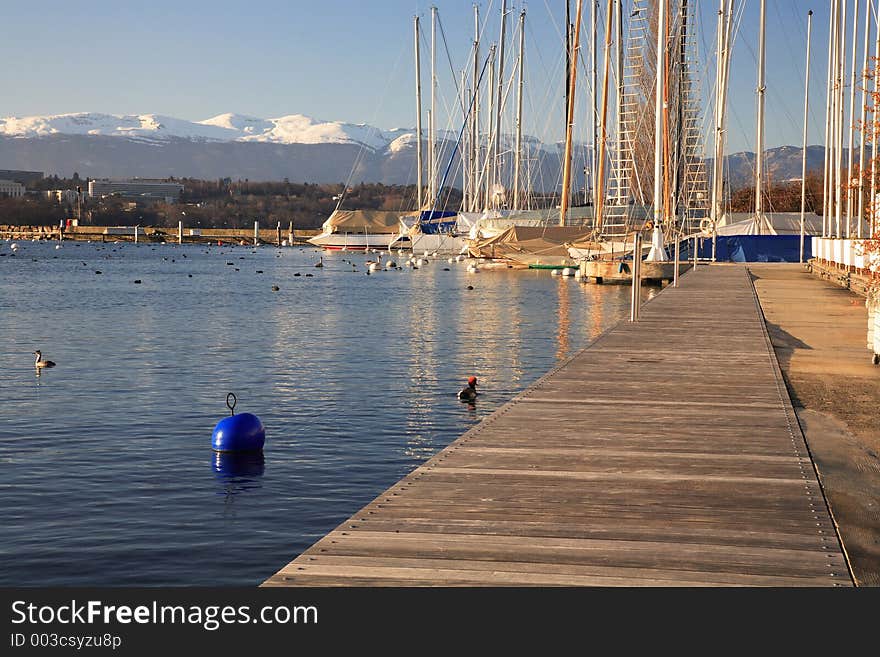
point(667, 453)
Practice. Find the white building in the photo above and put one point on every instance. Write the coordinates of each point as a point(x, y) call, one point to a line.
point(142, 189)
point(63, 196)
point(11, 188)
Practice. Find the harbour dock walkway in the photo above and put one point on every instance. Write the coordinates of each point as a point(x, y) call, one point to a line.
point(667, 453)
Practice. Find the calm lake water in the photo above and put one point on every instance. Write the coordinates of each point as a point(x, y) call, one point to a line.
point(107, 476)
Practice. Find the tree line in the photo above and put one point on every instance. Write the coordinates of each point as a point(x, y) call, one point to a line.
point(228, 203)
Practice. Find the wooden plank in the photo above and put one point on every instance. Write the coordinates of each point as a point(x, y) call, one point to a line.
point(666, 453)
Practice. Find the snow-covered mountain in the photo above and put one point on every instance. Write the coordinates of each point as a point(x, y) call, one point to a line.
point(291, 129)
point(296, 147)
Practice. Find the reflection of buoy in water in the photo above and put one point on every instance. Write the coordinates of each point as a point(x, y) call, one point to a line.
point(238, 433)
point(245, 464)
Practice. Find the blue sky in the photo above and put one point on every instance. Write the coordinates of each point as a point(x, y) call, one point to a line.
point(344, 60)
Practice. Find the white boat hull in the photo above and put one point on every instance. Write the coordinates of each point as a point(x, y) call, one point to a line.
point(354, 241)
point(441, 244)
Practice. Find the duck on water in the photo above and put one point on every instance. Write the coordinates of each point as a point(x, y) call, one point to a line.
point(469, 392)
point(40, 363)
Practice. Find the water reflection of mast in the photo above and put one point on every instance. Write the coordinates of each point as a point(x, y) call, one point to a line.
point(562, 330)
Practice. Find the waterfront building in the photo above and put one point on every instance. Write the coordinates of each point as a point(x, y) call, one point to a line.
point(143, 189)
point(10, 188)
point(62, 196)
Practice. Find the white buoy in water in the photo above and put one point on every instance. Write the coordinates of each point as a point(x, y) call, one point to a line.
point(374, 266)
point(472, 269)
point(409, 263)
point(390, 264)
point(284, 243)
point(400, 252)
point(422, 262)
point(425, 254)
point(554, 272)
point(57, 246)
point(450, 260)
point(568, 271)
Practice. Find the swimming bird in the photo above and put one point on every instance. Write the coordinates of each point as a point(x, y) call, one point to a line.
point(39, 362)
point(469, 392)
point(320, 262)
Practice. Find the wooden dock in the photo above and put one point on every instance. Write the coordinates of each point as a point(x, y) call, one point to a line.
point(667, 453)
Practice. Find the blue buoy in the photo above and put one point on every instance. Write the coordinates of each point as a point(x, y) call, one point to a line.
point(238, 433)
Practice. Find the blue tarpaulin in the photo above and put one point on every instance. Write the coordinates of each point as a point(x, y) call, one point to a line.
point(431, 221)
point(750, 248)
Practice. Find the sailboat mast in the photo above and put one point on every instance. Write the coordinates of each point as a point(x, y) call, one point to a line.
point(804, 154)
point(419, 181)
point(517, 162)
point(594, 97)
point(829, 83)
point(475, 119)
point(465, 147)
point(432, 120)
point(873, 197)
point(618, 94)
point(852, 109)
point(759, 155)
point(600, 176)
point(658, 113)
point(496, 163)
point(861, 189)
point(567, 54)
point(841, 76)
point(717, 156)
point(566, 169)
point(490, 137)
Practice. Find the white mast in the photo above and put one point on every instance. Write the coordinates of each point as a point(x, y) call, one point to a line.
point(496, 162)
point(873, 197)
point(572, 78)
point(852, 109)
point(618, 96)
point(841, 76)
point(804, 154)
point(829, 83)
point(759, 155)
point(861, 204)
point(475, 118)
point(419, 181)
point(464, 150)
point(718, 158)
point(490, 137)
point(519, 104)
point(658, 114)
point(594, 157)
point(432, 118)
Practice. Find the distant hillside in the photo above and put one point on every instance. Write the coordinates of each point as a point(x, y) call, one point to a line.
point(781, 164)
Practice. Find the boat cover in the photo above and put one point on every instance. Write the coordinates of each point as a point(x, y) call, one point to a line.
point(529, 242)
point(774, 223)
point(362, 221)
